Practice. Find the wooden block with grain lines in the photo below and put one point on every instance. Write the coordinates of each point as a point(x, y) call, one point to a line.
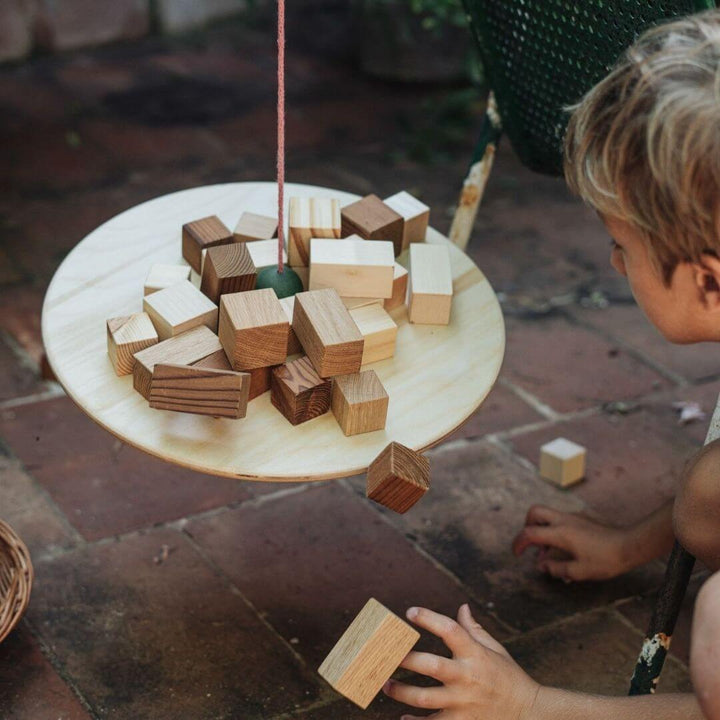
point(199, 390)
point(415, 216)
point(327, 333)
point(162, 275)
point(179, 308)
point(317, 217)
point(126, 336)
point(217, 361)
point(372, 219)
point(400, 283)
point(368, 653)
point(264, 253)
point(379, 332)
point(199, 235)
point(252, 227)
point(352, 303)
point(430, 288)
point(359, 402)
point(398, 477)
point(227, 269)
point(298, 392)
point(294, 345)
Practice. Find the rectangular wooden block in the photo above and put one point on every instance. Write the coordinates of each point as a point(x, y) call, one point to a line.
point(352, 303)
point(398, 477)
point(217, 361)
point(372, 219)
point(298, 392)
point(126, 336)
point(400, 284)
point(310, 218)
point(254, 329)
point(327, 333)
point(252, 227)
point(430, 288)
point(264, 253)
point(415, 216)
point(179, 308)
point(259, 381)
point(359, 402)
point(355, 268)
point(368, 653)
point(162, 275)
point(227, 269)
point(198, 390)
point(562, 462)
point(199, 235)
point(378, 330)
point(294, 345)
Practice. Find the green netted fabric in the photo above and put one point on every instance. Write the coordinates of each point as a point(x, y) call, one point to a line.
point(541, 55)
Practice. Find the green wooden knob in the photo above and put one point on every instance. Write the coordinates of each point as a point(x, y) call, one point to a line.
point(284, 284)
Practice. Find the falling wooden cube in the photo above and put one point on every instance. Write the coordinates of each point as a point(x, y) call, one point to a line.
point(379, 332)
point(372, 219)
point(310, 218)
point(126, 336)
point(259, 381)
point(162, 275)
point(368, 653)
point(227, 269)
point(298, 392)
point(294, 346)
point(254, 329)
point(562, 462)
point(415, 216)
point(327, 333)
point(430, 288)
point(252, 227)
point(400, 283)
point(179, 308)
point(398, 477)
point(264, 253)
point(359, 402)
point(200, 235)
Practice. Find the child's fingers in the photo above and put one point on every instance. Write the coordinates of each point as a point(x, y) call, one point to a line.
point(543, 515)
point(450, 632)
point(477, 631)
point(543, 535)
point(567, 570)
point(440, 668)
point(428, 698)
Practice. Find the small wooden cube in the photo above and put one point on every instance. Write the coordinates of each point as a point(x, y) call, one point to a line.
point(430, 288)
point(562, 462)
point(359, 402)
point(264, 253)
point(252, 227)
point(178, 308)
point(199, 235)
point(162, 275)
point(310, 218)
point(254, 329)
point(372, 219)
point(227, 269)
point(415, 216)
point(294, 345)
point(126, 336)
point(368, 653)
point(398, 477)
point(378, 330)
point(400, 283)
point(298, 392)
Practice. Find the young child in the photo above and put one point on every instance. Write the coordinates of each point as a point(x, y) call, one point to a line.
point(643, 149)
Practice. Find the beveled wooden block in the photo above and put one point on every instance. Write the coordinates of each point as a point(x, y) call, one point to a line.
point(179, 308)
point(199, 235)
point(400, 284)
point(415, 215)
point(359, 402)
point(430, 288)
point(310, 218)
point(252, 227)
point(294, 345)
point(126, 336)
point(398, 477)
point(372, 219)
point(298, 392)
point(264, 253)
point(562, 462)
point(379, 332)
point(162, 275)
point(227, 269)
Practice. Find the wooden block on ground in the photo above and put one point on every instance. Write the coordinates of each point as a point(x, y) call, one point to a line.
point(372, 219)
point(126, 336)
point(199, 390)
point(227, 269)
point(217, 361)
point(264, 253)
point(252, 227)
point(259, 381)
point(562, 462)
point(310, 218)
point(298, 392)
point(162, 275)
point(400, 283)
point(294, 345)
point(254, 329)
point(368, 653)
point(327, 333)
point(430, 288)
point(179, 308)
point(378, 330)
point(415, 216)
point(199, 235)
point(359, 402)
point(398, 477)
point(355, 268)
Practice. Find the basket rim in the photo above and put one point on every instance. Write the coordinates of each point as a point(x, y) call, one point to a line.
point(16, 560)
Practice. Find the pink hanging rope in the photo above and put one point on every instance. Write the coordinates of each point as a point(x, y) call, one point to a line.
point(281, 132)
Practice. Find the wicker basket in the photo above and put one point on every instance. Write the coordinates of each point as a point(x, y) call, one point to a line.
point(16, 576)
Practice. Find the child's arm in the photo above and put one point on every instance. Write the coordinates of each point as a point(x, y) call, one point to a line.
point(705, 648)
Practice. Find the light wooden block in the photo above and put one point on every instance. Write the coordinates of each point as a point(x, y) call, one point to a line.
point(310, 218)
point(126, 336)
point(355, 268)
point(264, 253)
point(199, 235)
point(254, 329)
point(298, 392)
point(378, 330)
point(368, 653)
point(199, 390)
point(327, 333)
point(562, 462)
point(415, 215)
point(294, 346)
point(398, 477)
point(359, 402)
point(227, 269)
point(430, 288)
point(179, 308)
point(400, 284)
point(352, 303)
point(162, 275)
point(372, 219)
point(252, 227)
point(303, 272)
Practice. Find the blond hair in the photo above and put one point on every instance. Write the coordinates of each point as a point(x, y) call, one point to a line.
point(644, 144)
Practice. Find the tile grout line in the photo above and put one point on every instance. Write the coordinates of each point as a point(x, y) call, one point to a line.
point(53, 390)
point(529, 399)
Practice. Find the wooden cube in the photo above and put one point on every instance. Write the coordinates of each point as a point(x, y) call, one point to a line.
point(352, 303)
point(562, 462)
point(298, 392)
point(162, 275)
point(179, 308)
point(400, 283)
point(398, 477)
point(310, 218)
point(259, 381)
point(264, 253)
point(430, 288)
point(379, 332)
point(415, 216)
point(126, 336)
point(252, 227)
point(327, 333)
point(227, 269)
point(254, 329)
point(359, 402)
point(294, 345)
point(368, 653)
point(200, 235)
point(217, 361)
point(372, 219)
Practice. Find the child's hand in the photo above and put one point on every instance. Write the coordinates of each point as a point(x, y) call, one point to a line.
point(480, 682)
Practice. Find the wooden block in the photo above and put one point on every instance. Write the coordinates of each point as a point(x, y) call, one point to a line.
point(264, 253)
point(352, 303)
point(398, 477)
point(298, 392)
point(199, 390)
point(227, 269)
point(378, 330)
point(184, 349)
point(200, 235)
point(126, 336)
point(304, 275)
point(179, 308)
point(327, 333)
point(253, 329)
point(355, 268)
point(372, 219)
point(430, 288)
point(359, 402)
point(415, 216)
point(294, 345)
point(162, 275)
point(400, 283)
point(310, 218)
point(252, 227)
point(217, 361)
point(259, 381)
point(562, 462)
point(368, 653)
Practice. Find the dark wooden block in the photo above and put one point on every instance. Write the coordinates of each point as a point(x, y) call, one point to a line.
point(398, 477)
point(298, 392)
point(227, 269)
point(199, 235)
point(372, 219)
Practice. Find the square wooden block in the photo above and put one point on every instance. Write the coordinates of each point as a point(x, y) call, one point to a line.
point(310, 218)
point(264, 253)
point(398, 477)
point(126, 336)
point(415, 215)
point(562, 462)
point(400, 284)
point(199, 235)
point(294, 345)
point(259, 381)
point(252, 227)
point(378, 330)
point(298, 392)
point(162, 275)
point(430, 288)
point(227, 269)
point(359, 402)
point(179, 308)
point(372, 219)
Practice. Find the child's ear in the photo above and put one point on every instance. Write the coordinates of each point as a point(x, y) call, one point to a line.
point(707, 279)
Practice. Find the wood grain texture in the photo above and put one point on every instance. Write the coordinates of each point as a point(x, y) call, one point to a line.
point(372, 219)
point(162, 275)
point(298, 392)
point(562, 462)
point(294, 346)
point(227, 269)
point(178, 308)
point(199, 235)
point(414, 213)
point(359, 402)
point(264, 253)
point(126, 336)
point(430, 287)
point(398, 477)
point(399, 292)
point(217, 361)
point(379, 332)
point(309, 218)
point(251, 227)
point(259, 381)
point(368, 653)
